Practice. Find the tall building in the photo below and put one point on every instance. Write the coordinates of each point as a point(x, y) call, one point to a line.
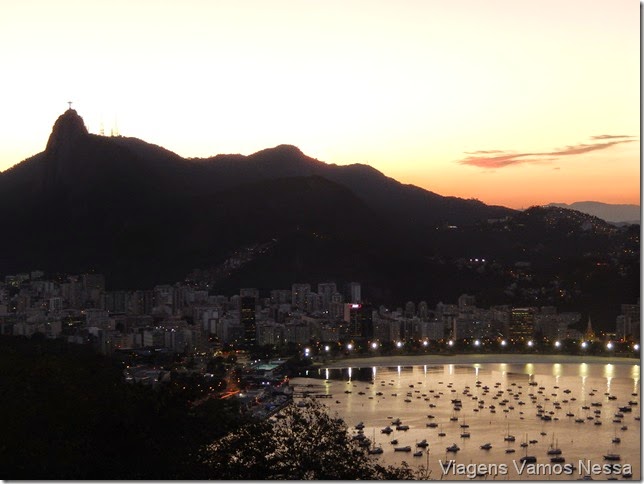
point(336, 306)
point(354, 292)
point(423, 310)
point(247, 319)
point(360, 320)
point(628, 323)
point(521, 324)
point(410, 309)
point(326, 290)
point(299, 294)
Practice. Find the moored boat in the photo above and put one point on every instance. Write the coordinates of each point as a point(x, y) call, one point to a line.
point(406, 448)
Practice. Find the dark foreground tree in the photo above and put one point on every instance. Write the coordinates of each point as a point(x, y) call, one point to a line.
point(68, 415)
point(306, 443)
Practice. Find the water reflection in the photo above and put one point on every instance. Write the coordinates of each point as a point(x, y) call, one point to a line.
point(372, 400)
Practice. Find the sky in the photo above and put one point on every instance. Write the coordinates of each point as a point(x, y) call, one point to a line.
point(511, 102)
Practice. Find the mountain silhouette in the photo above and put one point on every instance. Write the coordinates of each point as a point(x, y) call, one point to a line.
point(616, 213)
point(144, 215)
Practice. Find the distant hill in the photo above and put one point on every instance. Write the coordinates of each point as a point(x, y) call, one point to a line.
point(143, 215)
point(614, 213)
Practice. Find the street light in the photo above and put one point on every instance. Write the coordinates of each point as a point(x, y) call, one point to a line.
point(425, 343)
point(477, 342)
point(557, 344)
point(399, 344)
point(636, 347)
point(307, 351)
point(609, 345)
point(450, 342)
point(374, 345)
point(530, 343)
point(503, 342)
point(584, 345)
point(350, 346)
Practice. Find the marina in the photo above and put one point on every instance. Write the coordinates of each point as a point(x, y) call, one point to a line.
point(492, 413)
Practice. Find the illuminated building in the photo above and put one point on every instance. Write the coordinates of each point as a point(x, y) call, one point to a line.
point(521, 324)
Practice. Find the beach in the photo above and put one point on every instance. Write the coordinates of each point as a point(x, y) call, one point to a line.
point(509, 358)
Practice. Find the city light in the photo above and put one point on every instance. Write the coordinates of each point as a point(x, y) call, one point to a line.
point(450, 343)
point(636, 347)
point(503, 342)
point(307, 351)
point(350, 346)
point(584, 345)
point(557, 344)
point(609, 345)
point(425, 343)
point(530, 343)
point(399, 344)
point(374, 345)
point(327, 348)
point(477, 342)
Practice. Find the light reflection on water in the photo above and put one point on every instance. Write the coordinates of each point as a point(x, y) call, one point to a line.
point(577, 440)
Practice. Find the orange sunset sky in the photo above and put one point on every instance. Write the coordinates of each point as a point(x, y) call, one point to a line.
point(512, 102)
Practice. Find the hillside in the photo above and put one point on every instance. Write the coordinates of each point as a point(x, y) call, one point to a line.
point(615, 213)
point(143, 215)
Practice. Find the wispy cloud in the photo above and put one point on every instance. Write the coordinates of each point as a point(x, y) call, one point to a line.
point(483, 152)
point(611, 136)
point(501, 159)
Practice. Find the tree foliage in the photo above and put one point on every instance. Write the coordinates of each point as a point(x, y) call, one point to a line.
point(68, 415)
point(306, 443)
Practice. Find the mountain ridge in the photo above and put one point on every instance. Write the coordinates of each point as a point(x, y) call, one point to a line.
point(143, 215)
point(611, 212)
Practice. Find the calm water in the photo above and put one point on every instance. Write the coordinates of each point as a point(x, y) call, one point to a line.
point(408, 391)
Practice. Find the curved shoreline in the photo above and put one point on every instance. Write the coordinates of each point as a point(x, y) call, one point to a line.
point(415, 360)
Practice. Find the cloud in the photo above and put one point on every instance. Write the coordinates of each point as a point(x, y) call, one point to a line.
point(501, 159)
point(483, 152)
point(611, 136)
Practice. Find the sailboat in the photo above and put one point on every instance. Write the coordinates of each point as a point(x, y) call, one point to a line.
point(441, 433)
point(375, 449)
point(508, 437)
point(554, 449)
point(612, 456)
point(530, 459)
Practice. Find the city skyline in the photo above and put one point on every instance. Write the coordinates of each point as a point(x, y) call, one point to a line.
point(513, 104)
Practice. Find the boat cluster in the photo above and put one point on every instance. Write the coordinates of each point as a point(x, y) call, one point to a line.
point(548, 406)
